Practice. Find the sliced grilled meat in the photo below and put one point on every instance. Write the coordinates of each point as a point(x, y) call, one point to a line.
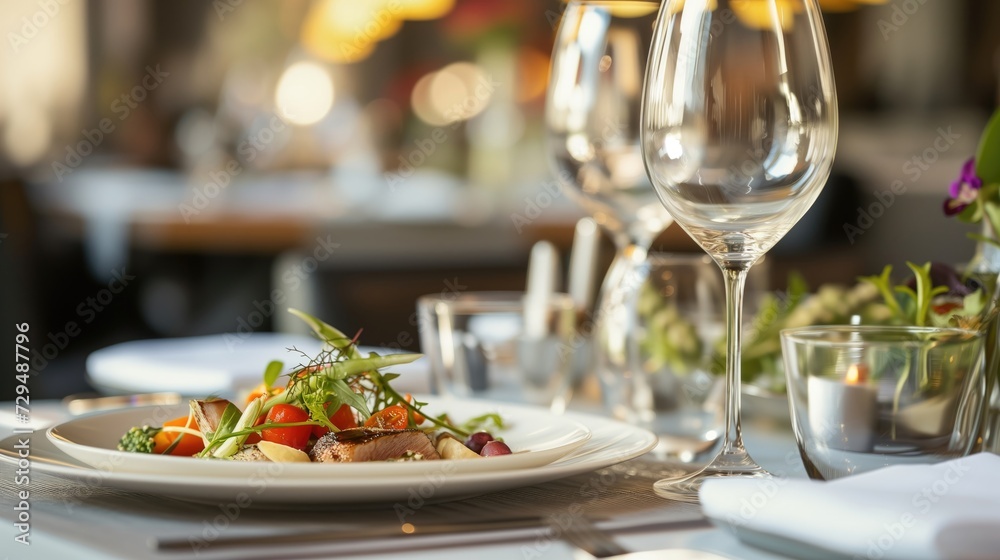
point(371, 444)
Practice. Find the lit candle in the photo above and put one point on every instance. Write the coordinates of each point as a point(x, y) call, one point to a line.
point(842, 413)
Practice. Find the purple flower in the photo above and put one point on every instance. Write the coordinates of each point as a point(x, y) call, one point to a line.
point(964, 190)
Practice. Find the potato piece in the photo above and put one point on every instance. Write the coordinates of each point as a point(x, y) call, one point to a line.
point(450, 448)
point(282, 453)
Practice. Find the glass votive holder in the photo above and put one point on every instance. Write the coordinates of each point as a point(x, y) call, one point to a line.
point(498, 345)
point(862, 398)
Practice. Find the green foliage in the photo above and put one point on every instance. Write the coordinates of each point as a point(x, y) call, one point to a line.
point(986, 206)
point(988, 155)
point(796, 307)
point(916, 306)
point(329, 334)
point(885, 287)
point(272, 372)
point(671, 340)
point(485, 422)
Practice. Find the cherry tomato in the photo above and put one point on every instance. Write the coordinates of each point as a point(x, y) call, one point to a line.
point(392, 417)
point(188, 444)
point(342, 419)
point(255, 437)
point(417, 417)
point(293, 436)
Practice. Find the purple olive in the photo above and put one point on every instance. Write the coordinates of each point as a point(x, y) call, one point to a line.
point(477, 440)
point(494, 448)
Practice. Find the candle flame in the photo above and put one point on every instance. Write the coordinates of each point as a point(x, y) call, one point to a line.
point(856, 374)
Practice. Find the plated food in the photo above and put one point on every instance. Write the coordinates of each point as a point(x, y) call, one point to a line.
point(547, 447)
point(335, 407)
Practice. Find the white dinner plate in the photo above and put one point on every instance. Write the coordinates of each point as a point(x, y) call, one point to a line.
point(534, 435)
point(275, 484)
point(219, 364)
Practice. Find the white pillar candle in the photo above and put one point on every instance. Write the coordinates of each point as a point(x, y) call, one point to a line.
point(583, 263)
point(543, 277)
point(843, 413)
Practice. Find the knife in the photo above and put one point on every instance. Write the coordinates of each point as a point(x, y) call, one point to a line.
point(405, 531)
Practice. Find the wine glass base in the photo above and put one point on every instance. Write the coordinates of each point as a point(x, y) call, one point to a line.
point(686, 488)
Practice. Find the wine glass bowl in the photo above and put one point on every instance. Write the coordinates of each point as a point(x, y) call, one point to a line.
point(739, 130)
point(741, 121)
point(593, 121)
point(593, 111)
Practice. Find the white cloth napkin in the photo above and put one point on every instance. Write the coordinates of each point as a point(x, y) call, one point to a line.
point(948, 510)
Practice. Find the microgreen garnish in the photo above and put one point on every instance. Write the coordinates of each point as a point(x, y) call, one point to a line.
point(485, 422)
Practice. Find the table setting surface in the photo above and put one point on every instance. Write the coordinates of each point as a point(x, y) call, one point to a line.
point(605, 480)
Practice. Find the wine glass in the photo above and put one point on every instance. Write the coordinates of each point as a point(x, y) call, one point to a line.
point(592, 117)
point(739, 129)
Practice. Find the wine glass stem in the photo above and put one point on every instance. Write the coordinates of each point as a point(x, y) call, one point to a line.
point(622, 277)
point(736, 276)
point(633, 255)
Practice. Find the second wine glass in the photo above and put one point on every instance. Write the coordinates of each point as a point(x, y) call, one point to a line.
point(592, 119)
point(739, 133)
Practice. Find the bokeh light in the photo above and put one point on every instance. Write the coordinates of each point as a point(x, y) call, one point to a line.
point(633, 9)
point(760, 14)
point(533, 74)
point(424, 9)
point(27, 135)
point(346, 31)
point(457, 92)
point(305, 93)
